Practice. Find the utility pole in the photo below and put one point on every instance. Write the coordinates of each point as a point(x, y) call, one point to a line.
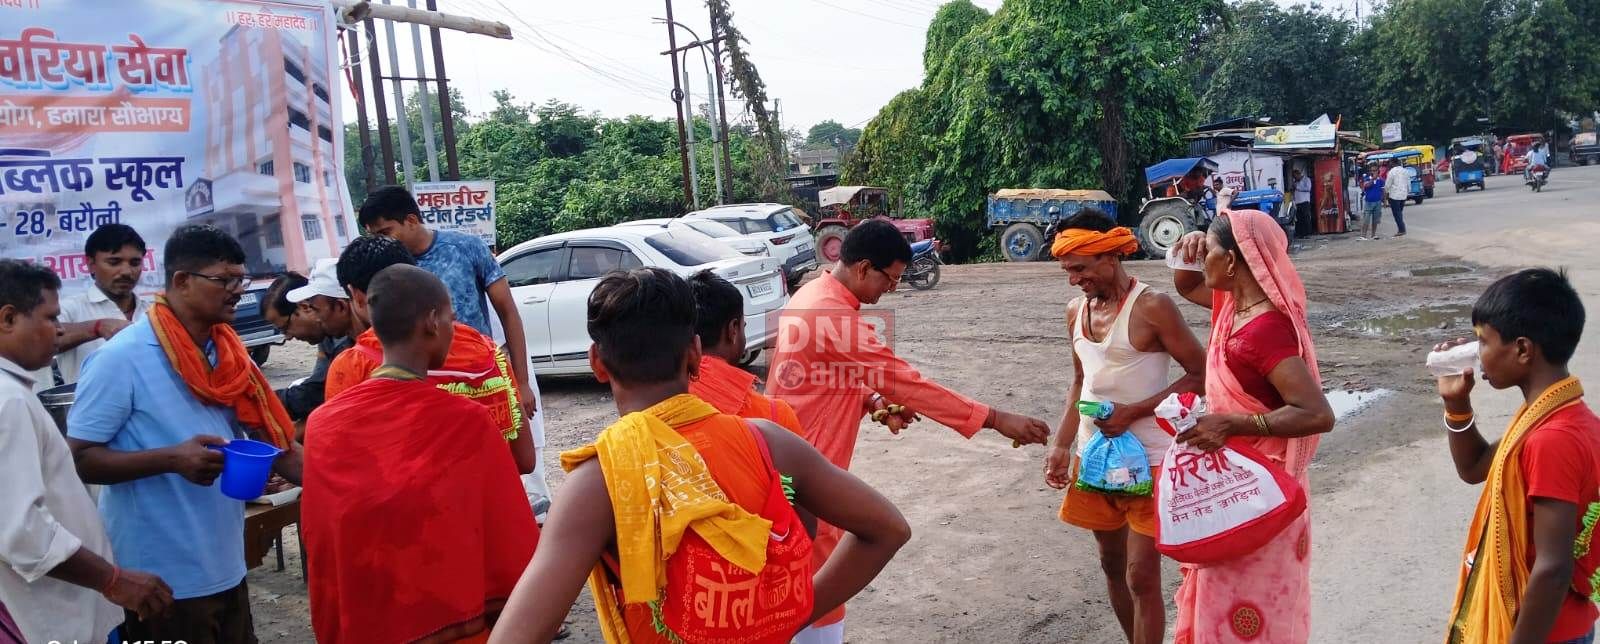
point(353, 50)
point(377, 98)
point(688, 106)
point(677, 99)
point(722, 103)
point(716, 140)
point(407, 163)
point(422, 101)
point(445, 118)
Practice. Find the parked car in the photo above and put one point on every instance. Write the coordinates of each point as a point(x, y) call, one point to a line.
point(1584, 149)
point(723, 233)
point(780, 226)
point(258, 335)
point(551, 278)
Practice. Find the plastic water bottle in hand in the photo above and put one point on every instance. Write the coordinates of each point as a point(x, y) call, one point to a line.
point(1176, 262)
point(1452, 361)
point(1096, 410)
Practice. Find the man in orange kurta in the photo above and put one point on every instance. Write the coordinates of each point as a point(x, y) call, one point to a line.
point(832, 368)
point(720, 326)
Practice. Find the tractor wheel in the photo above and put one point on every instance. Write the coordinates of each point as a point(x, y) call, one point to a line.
point(1022, 242)
point(1163, 225)
point(829, 240)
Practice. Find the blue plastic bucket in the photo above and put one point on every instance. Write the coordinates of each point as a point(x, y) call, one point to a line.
point(245, 467)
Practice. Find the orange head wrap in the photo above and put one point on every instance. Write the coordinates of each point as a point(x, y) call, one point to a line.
point(1082, 241)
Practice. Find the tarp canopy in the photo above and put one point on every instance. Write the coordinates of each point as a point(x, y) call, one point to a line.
point(840, 194)
point(1173, 169)
point(1052, 193)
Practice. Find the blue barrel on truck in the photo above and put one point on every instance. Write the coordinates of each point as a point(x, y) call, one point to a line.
point(1023, 217)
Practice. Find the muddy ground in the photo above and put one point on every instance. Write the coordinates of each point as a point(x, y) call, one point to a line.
point(989, 560)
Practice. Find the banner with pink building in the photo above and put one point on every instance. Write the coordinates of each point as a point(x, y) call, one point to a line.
point(163, 113)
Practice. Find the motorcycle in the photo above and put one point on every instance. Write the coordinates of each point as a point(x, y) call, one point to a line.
point(923, 273)
point(1538, 176)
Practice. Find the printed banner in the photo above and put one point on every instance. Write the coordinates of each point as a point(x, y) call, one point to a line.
point(1279, 137)
point(1391, 132)
point(462, 206)
point(163, 113)
point(1263, 170)
point(1328, 197)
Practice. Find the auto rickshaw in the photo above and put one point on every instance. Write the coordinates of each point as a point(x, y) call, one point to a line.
point(1411, 159)
point(1425, 170)
point(1466, 174)
point(1517, 147)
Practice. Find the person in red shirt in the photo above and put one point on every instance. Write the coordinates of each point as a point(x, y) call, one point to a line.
point(1530, 566)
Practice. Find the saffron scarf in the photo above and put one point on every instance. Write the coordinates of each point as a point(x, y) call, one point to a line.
point(235, 382)
point(1081, 241)
point(657, 483)
point(1495, 560)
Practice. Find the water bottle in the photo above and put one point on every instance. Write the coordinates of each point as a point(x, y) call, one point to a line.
point(1452, 361)
point(1096, 410)
point(1176, 262)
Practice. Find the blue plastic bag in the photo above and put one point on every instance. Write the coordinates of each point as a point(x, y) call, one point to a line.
point(1115, 465)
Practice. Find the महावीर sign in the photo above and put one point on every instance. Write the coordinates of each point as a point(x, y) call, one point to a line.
point(163, 113)
point(462, 206)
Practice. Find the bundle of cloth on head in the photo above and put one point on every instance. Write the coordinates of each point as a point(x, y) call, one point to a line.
point(1082, 241)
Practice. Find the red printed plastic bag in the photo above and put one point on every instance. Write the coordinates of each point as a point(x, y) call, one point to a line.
point(1215, 506)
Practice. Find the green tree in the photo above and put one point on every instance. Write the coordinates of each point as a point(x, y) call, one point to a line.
point(830, 133)
point(1543, 63)
point(1291, 64)
point(1046, 93)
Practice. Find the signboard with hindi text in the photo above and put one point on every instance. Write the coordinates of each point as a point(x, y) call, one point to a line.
point(163, 113)
point(1283, 137)
point(462, 206)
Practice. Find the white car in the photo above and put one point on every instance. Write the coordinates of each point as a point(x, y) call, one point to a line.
point(746, 244)
point(778, 225)
point(551, 278)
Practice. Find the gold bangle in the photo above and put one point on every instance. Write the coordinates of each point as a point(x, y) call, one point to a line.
point(1458, 418)
point(1261, 424)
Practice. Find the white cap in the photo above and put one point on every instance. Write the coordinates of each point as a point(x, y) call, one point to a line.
point(324, 280)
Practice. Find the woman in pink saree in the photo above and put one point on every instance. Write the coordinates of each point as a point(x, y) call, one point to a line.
point(1262, 390)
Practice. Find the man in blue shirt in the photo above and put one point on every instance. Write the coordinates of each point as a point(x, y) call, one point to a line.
point(1371, 202)
point(465, 265)
point(140, 428)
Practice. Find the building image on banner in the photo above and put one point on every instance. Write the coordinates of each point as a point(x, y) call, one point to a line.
point(163, 113)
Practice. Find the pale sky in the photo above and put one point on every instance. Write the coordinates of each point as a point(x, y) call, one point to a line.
point(823, 59)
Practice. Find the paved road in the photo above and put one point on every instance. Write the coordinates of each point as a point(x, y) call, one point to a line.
point(1390, 543)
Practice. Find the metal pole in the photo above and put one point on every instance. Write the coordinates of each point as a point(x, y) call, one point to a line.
point(722, 111)
point(446, 116)
point(354, 49)
point(406, 162)
point(688, 105)
point(373, 62)
point(716, 156)
point(677, 99)
point(423, 103)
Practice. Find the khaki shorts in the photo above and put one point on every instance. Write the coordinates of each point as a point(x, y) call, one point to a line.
point(1106, 512)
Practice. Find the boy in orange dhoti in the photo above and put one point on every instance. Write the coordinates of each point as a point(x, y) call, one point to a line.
point(720, 325)
point(415, 524)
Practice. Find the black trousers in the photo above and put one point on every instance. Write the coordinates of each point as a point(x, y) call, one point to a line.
point(1303, 221)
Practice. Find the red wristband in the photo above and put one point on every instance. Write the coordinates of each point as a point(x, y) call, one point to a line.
point(96, 328)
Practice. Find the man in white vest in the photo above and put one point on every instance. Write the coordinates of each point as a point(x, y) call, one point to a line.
point(1124, 338)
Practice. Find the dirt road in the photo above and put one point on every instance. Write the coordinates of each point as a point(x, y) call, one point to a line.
point(989, 560)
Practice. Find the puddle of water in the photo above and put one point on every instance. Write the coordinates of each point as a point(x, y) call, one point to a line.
point(1439, 271)
point(1418, 319)
point(1348, 403)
